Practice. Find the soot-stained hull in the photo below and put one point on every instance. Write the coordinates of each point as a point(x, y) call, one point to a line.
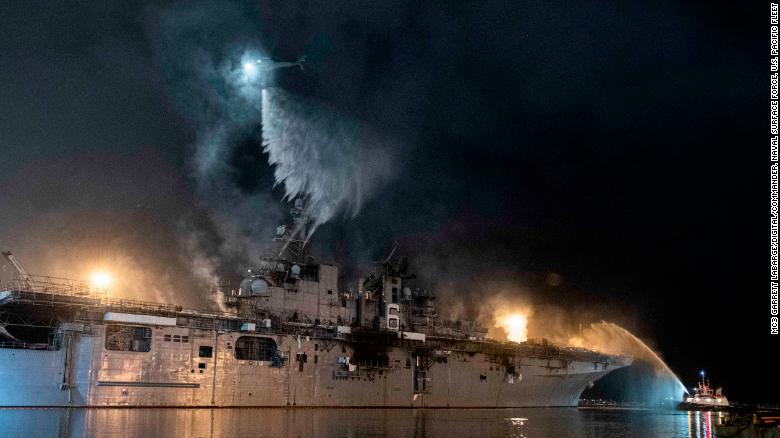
point(83, 372)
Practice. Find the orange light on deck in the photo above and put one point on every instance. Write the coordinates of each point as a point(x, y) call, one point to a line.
point(101, 280)
point(515, 325)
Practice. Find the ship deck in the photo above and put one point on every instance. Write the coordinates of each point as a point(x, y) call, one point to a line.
point(46, 302)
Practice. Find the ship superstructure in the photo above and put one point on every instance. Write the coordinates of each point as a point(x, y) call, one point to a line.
point(705, 397)
point(290, 337)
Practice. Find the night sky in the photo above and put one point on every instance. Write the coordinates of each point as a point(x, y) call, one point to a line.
point(619, 145)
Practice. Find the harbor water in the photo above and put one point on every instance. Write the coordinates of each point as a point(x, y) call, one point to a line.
point(354, 423)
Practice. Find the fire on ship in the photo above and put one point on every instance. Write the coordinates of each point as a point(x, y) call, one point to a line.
point(289, 336)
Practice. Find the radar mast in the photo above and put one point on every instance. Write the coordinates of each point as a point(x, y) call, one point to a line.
point(292, 238)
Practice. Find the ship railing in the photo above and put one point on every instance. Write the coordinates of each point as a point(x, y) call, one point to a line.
point(142, 306)
point(42, 284)
point(165, 309)
point(46, 290)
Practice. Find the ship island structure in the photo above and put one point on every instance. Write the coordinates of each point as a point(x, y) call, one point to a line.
point(288, 336)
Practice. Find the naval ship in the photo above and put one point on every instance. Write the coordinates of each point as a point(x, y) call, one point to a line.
point(704, 398)
point(286, 336)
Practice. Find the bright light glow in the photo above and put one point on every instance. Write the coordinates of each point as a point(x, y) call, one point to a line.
point(249, 71)
point(515, 325)
point(101, 279)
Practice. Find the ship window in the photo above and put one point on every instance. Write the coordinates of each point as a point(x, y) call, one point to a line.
point(185, 339)
point(395, 294)
point(330, 292)
point(253, 348)
point(167, 338)
point(128, 338)
point(202, 366)
point(176, 338)
point(205, 351)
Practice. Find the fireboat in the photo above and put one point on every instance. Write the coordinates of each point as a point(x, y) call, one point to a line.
point(704, 398)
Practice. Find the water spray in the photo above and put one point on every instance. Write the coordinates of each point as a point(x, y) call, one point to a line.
point(604, 332)
point(321, 155)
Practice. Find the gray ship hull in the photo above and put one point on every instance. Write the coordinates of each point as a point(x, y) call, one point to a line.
point(313, 372)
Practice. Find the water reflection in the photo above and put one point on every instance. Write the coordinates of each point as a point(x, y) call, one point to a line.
point(421, 423)
point(700, 424)
point(518, 423)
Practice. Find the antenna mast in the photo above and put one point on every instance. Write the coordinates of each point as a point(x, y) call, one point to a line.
point(294, 236)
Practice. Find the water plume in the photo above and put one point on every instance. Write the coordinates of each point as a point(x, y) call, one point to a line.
point(611, 338)
point(327, 158)
point(246, 129)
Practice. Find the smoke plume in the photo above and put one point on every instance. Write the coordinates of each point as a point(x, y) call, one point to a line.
point(253, 136)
